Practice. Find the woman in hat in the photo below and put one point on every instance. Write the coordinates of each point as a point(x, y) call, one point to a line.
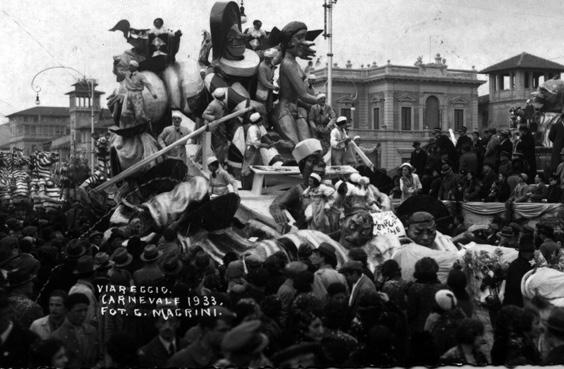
point(321, 198)
point(409, 182)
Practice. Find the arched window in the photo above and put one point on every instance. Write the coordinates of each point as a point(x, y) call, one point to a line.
point(432, 112)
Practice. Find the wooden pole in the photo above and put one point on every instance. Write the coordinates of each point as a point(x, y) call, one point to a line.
point(139, 165)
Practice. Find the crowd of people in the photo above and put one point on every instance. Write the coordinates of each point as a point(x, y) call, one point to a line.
point(275, 312)
point(493, 167)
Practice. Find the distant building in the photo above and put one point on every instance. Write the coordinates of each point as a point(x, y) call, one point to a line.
point(63, 129)
point(511, 83)
point(397, 105)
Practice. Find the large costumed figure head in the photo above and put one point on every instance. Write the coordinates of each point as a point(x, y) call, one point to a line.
point(308, 154)
point(422, 228)
point(357, 229)
point(297, 40)
point(230, 52)
point(549, 98)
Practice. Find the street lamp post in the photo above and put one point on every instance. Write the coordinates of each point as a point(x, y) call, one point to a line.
point(328, 34)
point(90, 84)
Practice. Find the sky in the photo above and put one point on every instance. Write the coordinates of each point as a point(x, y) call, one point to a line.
point(74, 33)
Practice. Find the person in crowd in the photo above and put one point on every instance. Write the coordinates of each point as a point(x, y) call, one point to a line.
point(499, 192)
point(45, 326)
point(49, 353)
point(321, 199)
point(243, 347)
point(560, 170)
point(221, 182)
point(555, 193)
point(161, 348)
point(216, 109)
point(325, 260)
point(322, 121)
point(471, 187)
point(463, 140)
point(418, 158)
point(526, 146)
point(205, 351)
point(393, 285)
point(15, 340)
point(20, 281)
point(85, 274)
point(507, 237)
point(172, 134)
point(79, 337)
point(521, 190)
point(443, 322)
point(287, 291)
point(478, 147)
point(256, 140)
point(410, 184)
point(449, 187)
point(538, 192)
point(135, 83)
point(468, 161)
point(150, 273)
point(457, 283)
point(491, 155)
point(505, 144)
point(121, 351)
point(359, 284)
point(517, 270)
point(512, 343)
point(339, 142)
point(265, 79)
point(469, 350)
point(359, 254)
point(446, 148)
point(554, 337)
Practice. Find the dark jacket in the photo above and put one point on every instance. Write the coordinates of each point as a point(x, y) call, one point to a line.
point(420, 303)
point(526, 146)
point(365, 287)
point(419, 160)
point(15, 351)
point(155, 355)
point(468, 162)
point(556, 135)
point(82, 352)
point(463, 141)
point(515, 273)
point(555, 356)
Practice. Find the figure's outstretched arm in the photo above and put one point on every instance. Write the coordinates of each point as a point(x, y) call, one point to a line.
point(298, 84)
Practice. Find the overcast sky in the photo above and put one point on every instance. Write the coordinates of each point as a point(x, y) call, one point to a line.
point(41, 34)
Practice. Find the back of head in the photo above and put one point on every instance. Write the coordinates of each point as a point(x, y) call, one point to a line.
point(426, 270)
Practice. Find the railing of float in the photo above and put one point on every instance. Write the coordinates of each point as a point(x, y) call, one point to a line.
point(138, 166)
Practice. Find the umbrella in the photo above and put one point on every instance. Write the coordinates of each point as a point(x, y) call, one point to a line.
point(430, 205)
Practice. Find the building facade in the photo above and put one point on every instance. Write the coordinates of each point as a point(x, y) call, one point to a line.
point(66, 130)
point(395, 105)
point(511, 83)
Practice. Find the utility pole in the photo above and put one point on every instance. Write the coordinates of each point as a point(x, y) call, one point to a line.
point(92, 161)
point(328, 34)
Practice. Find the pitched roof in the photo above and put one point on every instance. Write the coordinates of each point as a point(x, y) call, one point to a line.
point(57, 111)
point(524, 61)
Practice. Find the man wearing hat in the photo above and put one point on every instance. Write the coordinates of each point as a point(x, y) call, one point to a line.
point(84, 271)
point(418, 158)
point(221, 182)
point(517, 269)
point(491, 154)
point(244, 345)
point(206, 350)
point(448, 189)
point(150, 272)
point(324, 259)
point(257, 139)
point(307, 154)
point(505, 141)
point(135, 82)
point(554, 337)
point(265, 78)
point(359, 284)
point(172, 134)
point(339, 142)
point(216, 109)
point(446, 148)
point(322, 120)
point(507, 237)
point(463, 140)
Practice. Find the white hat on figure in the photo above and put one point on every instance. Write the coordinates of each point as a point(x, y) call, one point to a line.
point(305, 148)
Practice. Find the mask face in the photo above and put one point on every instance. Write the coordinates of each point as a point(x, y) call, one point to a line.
point(235, 44)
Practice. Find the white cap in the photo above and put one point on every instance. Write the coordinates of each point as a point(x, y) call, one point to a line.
point(211, 160)
point(446, 300)
point(315, 176)
point(133, 63)
point(341, 119)
point(338, 184)
point(218, 93)
point(355, 178)
point(176, 114)
point(255, 117)
point(364, 181)
point(406, 165)
point(321, 96)
point(305, 148)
